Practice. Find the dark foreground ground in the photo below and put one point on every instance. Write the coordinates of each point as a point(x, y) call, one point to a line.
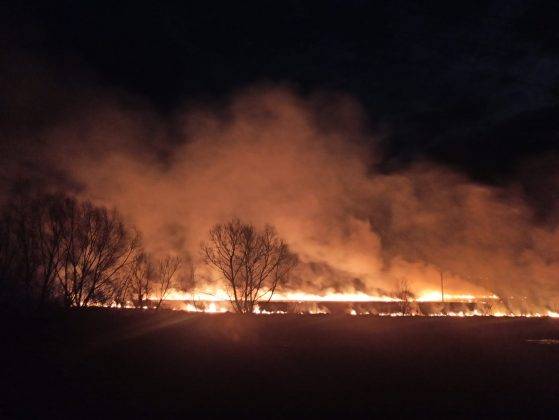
point(103, 363)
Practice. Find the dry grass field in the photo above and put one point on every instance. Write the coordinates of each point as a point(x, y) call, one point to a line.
point(146, 363)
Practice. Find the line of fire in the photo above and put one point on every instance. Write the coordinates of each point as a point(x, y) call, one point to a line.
point(59, 250)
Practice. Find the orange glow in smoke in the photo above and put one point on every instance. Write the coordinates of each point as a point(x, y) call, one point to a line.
point(218, 301)
point(220, 295)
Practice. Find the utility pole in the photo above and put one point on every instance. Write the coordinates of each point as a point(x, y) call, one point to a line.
point(442, 288)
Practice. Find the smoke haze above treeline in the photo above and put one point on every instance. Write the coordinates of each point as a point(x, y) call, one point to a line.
point(306, 166)
point(363, 199)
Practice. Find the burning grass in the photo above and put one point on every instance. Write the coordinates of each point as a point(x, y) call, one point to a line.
point(382, 308)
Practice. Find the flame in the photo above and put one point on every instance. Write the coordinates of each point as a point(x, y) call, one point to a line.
point(212, 307)
point(331, 297)
point(217, 295)
point(220, 295)
point(435, 296)
point(259, 311)
point(217, 306)
point(218, 301)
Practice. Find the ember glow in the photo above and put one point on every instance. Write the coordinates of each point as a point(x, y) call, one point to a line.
point(222, 295)
point(428, 296)
point(433, 296)
point(355, 304)
point(317, 309)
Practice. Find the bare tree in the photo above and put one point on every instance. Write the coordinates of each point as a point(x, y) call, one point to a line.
point(187, 279)
point(252, 262)
point(97, 245)
point(165, 272)
point(25, 235)
point(31, 249)
point(53, 246)
point(49, 219)
point(485, 308)
point(141, 274)
point(405, 296)
point(121, 285)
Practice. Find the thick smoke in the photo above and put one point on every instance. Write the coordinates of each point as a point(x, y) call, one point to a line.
point(306, 167)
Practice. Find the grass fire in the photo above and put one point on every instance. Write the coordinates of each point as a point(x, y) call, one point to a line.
point(58, 250)
point(279, 209)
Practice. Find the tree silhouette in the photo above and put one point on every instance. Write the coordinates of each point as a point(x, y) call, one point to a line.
point(166, 269)
point(251, 262)
point(404, 295)
point(97, 245)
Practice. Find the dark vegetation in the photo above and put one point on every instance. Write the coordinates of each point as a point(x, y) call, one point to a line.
point(102, 362)
point(58, 251)
point(253, 263)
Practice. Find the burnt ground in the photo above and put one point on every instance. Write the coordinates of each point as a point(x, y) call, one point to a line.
point(141, 363)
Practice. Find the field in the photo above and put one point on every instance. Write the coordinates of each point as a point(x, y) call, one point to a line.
point(144, 363)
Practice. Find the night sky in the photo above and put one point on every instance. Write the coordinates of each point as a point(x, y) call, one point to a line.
point(473, 85)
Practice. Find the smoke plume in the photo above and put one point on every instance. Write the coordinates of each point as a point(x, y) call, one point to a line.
point(306, 165)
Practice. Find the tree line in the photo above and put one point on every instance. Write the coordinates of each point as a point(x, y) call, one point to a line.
point(56, 250)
